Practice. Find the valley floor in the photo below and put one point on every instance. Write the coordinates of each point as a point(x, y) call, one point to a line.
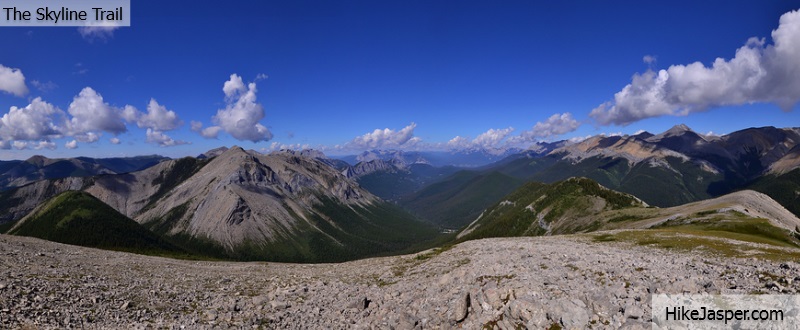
point(574, 281)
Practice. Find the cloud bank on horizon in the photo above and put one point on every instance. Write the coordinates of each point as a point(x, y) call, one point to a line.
point(758, 73)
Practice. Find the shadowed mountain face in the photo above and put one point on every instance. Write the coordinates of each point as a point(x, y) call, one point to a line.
point(283, 206)
point(78, 218)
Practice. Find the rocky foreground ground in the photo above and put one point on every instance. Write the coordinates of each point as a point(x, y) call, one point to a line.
point(570, 281)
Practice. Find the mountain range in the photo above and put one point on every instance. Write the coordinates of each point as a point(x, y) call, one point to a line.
point(668, 169)
point(244, 205)
point(304, 206)
point(15, 173)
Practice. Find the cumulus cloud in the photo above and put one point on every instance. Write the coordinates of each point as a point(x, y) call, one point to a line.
point(275, 146)
point(491, 140)
point(386, 138)
point(45, 145)
point(557, 124)
point(37, 121)
point(759, 72)
point(88, 116)
point(492, 137)
point(161, 139)
point(90, 113)
point(234, 86)
point(71, 144)
point(88, 137)
point(12, 81)
point(459, 142)
point(211, 132)
point(157, 117)
point(241, 116)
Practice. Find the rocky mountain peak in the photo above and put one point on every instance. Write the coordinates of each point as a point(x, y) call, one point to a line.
point(676, 131)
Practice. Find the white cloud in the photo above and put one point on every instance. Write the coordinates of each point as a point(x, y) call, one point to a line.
point(459, 143)
point(157, 117)
point(40, 122)
point(578, 139)
point(90, 113)
point(492, 140)
point(37, 121)
point(71, 144)
point(492, 137)
point(211, 132)
point(386, 138)
point(20, 145)
point(557, 124)
point(233, 86)
point(88, 137)
point(161, 139)
point(98, 32)
point(241, 116)
point(275, 146)
point(757, 73)
point(38, 145)
point(649, 59)
point(12, 81)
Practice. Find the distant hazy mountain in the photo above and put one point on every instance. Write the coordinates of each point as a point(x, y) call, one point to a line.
point(462, 158)
point(18, 173)
point(393, 175)
point(391, 180)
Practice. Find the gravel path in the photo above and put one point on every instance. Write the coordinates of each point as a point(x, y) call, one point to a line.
point(504, 283)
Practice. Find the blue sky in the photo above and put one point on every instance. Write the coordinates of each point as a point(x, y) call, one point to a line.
point(345, 76)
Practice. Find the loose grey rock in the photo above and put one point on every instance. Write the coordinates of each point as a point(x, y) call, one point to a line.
point(506, 283)
point(460, 307)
